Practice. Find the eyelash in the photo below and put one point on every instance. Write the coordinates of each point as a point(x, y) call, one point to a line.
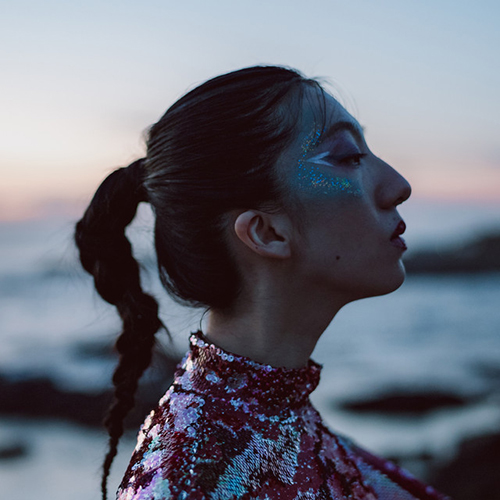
point(351, 160)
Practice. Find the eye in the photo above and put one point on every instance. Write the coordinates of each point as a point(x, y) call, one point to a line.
point(351, 160)
point(345, 160)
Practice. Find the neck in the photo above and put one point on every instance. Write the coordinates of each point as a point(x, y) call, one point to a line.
point(279, 329)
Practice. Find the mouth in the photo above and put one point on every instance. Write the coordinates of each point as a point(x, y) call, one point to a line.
point(396, 239)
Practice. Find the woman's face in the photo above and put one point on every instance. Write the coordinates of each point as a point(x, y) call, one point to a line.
point(347, 240)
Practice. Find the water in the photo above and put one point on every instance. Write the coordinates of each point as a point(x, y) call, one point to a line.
point(63, 461)
point(435, 332)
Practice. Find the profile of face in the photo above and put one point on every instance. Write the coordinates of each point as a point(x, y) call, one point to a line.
point(348, 240)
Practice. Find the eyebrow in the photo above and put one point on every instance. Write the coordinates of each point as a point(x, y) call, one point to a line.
point(356, 130)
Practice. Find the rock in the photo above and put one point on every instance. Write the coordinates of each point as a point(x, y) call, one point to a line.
point(405, 403)
point(13, 451)
point(479, 255)
point(93, 350)
point(475, 471)
point(488, 371)
point(41, 397)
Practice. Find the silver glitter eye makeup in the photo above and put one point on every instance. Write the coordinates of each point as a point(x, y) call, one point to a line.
point(320, 159)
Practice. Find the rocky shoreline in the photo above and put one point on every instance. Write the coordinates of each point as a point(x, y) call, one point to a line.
point(478, 255)
point(41, 397)
point(471, 474)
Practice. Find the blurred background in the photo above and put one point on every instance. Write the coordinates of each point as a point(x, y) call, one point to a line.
point(414, 376)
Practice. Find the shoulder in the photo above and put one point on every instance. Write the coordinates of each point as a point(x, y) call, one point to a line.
point(186, 448)
point(385, 476)
point(166, 448)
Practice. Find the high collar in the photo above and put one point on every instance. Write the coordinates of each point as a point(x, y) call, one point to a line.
point(212, 370)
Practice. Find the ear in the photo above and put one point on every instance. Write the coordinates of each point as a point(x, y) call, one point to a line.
point(265, 234)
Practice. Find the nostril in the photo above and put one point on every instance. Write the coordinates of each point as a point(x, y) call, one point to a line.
point(390, 197)
point(405, 194)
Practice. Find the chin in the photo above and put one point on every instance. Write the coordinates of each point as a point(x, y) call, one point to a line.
point(392, 282)
point(383, 285)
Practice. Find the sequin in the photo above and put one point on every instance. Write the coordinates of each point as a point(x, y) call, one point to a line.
point(230, 428)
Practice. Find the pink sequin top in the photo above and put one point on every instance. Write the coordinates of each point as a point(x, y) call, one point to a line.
point(230, 428)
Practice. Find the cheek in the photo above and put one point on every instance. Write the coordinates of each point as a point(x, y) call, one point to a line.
point(311, 181)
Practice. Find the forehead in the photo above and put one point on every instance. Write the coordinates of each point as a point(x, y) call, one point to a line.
point(324, 115)
point(321, 116)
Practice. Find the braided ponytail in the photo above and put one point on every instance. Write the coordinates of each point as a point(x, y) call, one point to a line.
point(214, 151)
point(106, 253)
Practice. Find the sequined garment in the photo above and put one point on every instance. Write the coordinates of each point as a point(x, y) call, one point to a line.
point(231, 428)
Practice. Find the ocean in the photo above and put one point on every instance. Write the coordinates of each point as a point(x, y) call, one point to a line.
point(436, 333)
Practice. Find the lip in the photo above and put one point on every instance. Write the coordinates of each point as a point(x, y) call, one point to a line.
point(396, 239)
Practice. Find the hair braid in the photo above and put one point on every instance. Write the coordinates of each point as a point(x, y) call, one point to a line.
point(106, 253)
point(215, 150)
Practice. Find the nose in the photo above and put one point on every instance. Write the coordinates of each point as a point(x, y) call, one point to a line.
point(393, 189)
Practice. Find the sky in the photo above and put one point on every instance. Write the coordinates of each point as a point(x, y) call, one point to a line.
point(82, 81)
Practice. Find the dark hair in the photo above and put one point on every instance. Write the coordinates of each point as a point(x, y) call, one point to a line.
point(214, 150)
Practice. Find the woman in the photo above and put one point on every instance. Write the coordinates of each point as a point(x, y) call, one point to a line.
point(272, 213)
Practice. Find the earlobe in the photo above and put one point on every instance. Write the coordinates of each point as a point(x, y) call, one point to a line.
point(263, 233)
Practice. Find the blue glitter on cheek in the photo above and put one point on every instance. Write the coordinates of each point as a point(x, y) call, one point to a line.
point(314, 181)
point(311, 179)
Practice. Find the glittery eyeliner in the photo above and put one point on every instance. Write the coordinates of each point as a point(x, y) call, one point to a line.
point(311, 178)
